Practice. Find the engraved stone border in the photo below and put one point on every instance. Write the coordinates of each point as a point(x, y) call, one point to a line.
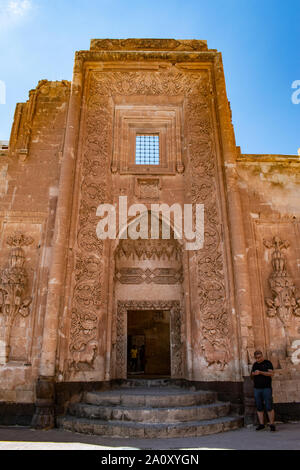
point(176, 333)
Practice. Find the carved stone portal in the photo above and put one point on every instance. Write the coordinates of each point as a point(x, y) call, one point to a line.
point(96, 185)
point(176, 327)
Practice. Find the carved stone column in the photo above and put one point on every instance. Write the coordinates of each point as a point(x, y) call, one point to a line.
point(44, 416)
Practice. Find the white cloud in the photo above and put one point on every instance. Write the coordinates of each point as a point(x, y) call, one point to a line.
point(19, 7)
point(13, 11)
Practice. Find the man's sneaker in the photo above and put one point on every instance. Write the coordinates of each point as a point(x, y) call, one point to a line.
point(260, 427)
point(272, 427)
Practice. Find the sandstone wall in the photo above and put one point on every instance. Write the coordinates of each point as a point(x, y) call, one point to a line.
point(30, 173)
point(157, 84)
point(270, 193)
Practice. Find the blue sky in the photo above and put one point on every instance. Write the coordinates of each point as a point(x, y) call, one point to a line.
point(259, 41)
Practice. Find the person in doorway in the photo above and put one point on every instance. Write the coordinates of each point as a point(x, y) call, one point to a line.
point(133, 358)
point(261, 373)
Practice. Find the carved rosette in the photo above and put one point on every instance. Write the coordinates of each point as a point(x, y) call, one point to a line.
point(13, 287)
point(194, 86)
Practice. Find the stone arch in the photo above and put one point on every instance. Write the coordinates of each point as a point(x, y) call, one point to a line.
point(173, 228)
point(156, 267)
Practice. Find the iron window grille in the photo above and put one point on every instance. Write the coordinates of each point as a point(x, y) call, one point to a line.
point(147, 150)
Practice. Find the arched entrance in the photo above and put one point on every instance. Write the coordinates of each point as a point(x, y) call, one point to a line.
point(149, 307)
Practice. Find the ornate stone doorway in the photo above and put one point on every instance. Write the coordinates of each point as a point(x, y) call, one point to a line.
point(173, 309)
point(148, 333)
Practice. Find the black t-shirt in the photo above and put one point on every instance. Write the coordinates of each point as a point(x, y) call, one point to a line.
point(262, 381)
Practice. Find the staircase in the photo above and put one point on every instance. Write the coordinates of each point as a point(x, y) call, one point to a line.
point(149, 409)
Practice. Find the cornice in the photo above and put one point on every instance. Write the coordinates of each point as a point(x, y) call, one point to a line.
point(268, 158)
point(173, 57)
point(148, 44)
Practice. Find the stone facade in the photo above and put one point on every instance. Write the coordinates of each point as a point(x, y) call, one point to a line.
point(66, 294)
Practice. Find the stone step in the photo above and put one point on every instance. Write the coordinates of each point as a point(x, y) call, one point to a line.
point(148, 383)
point(150, 415)
point(149, 409)
point(148, 430)
point(153, 397)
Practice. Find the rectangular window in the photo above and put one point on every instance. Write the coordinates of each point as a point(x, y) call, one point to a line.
point(147, 150)
point(147, 137)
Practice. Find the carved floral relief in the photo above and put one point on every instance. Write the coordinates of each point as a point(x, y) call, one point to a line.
point(14, 299)
point(284, 304)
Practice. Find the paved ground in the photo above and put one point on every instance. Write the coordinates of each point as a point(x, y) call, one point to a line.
point(287, 437)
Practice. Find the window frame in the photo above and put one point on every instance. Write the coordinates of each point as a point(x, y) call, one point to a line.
point(131, 120)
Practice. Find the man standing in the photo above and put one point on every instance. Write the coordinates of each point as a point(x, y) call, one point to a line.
point(133, 358)
point(262, 372)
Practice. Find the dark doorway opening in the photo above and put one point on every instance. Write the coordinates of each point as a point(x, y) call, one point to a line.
point(148, 343)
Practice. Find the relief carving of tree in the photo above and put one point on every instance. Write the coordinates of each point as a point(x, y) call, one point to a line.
point(284, 304)
point(13, 286)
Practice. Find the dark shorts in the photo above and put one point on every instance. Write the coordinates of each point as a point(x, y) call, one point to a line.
point(263, 396)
